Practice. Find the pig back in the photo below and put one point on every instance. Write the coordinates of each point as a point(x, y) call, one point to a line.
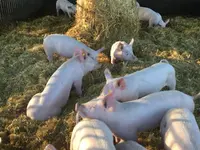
point(129, 145)
point(58, 87)
point(91, 134)
point(179, 130)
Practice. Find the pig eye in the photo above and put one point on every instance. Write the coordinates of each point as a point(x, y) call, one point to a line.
point(88, 54)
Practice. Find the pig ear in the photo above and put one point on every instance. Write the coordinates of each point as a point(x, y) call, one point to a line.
point(109, 101)
point(132, 41)
point(120, 46)
point(79, 54)
point(121, 83)
point(107, 74)
point(101, 49)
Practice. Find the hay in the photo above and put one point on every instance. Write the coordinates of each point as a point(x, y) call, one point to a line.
point(103, 22)
point(24, 71)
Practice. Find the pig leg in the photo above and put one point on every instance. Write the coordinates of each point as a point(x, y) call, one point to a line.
point(50, 58)
point(57, 9)
point(68, 13)
point(171, 82)
point(117, 140)
point(150, 23)
point(48, 53)
point(78, 87)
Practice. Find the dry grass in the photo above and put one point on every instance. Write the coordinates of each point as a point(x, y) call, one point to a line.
point(105, 21)
point(24, 71)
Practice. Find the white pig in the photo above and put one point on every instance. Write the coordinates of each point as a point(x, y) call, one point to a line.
point(121, 50)
point(154, 18)
point(141, 83)
point(127, 118)
point(91, 134)
point(129, 145)
point(65, 46)
point(57, 90)
point(180, 131)
point(66, 7)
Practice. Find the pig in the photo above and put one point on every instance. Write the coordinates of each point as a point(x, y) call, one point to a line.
point(129, 145)
point(179, 130)
point(127, 118)
point(121, 50)
point(65, 46)
point(154, 18)
point(66, 7)
point(91, 134)
point(56, 92)
point(141, 83)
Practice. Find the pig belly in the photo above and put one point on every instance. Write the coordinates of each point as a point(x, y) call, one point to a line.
point(64, 49)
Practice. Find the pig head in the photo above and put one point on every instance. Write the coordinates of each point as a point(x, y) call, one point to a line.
point(123, 51)
point(161, 22)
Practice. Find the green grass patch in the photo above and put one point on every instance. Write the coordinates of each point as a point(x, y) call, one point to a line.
point(24, 71)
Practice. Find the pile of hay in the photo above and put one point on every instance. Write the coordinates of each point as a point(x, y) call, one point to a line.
point(103, 22)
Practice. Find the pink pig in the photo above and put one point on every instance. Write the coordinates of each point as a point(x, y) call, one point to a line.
point(56, 92)
point(123, 51)
point(141, 83)
point(127, 118)
point(65, 46)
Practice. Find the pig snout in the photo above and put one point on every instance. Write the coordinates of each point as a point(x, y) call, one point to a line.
point(134, 58)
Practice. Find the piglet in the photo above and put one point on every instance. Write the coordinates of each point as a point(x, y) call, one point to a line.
point(129, 145)
point(65, 46)
point(56, 92)
point(141, 83)
point(91, 134)
point(66, 7)
point(154, 18)
point(180, 131)
point(127, 118)
point(121, 50)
